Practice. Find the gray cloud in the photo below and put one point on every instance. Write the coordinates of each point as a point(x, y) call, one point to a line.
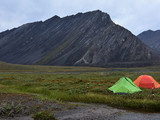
point(135, 15)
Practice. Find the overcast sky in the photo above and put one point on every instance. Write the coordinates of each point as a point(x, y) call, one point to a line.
point(135, 15)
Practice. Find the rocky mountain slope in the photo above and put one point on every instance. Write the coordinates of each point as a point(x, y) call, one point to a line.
point(83, 39)
point(151, 38)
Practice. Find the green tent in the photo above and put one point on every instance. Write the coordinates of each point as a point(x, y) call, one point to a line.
point(124, 85)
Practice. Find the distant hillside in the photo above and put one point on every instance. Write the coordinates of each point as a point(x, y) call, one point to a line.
point(90, 39)
point(151, 38)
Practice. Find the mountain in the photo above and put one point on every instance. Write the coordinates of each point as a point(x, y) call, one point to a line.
point(151, 38)
point(91, 39)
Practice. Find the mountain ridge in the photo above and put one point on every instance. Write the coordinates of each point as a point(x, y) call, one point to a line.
point(151, 38)
point(91, 39)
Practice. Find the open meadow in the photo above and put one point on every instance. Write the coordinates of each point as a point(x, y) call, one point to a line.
point(79, 84)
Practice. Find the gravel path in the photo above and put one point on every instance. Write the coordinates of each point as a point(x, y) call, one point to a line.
point(103, 112)
point(89, 112)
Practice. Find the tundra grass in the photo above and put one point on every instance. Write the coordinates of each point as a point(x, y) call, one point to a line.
point(7, 67)
point(82, 87)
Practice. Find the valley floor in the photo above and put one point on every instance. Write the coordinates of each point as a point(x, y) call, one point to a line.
point(26, 91)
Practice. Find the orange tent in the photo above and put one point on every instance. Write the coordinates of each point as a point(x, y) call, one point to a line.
point(146, 81)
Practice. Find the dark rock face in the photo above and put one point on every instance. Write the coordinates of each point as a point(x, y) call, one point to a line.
point(151, 38)
point(83, 39)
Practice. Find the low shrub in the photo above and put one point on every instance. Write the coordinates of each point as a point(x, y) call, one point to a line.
point(43, 115)
point(10, 109)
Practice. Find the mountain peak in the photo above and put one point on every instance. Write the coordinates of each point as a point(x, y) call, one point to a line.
point(103, 17)
point(97, 12)
point(56, 17)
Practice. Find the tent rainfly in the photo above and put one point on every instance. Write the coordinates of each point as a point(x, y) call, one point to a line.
point(124, 85)
point(146, 81)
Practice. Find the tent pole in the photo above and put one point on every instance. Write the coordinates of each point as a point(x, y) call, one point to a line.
point(152, 89)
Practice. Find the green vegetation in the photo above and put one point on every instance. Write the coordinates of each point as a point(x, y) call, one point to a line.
point(6, 67)
point(44, 115)
point(10, 109)
point(83, 87)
